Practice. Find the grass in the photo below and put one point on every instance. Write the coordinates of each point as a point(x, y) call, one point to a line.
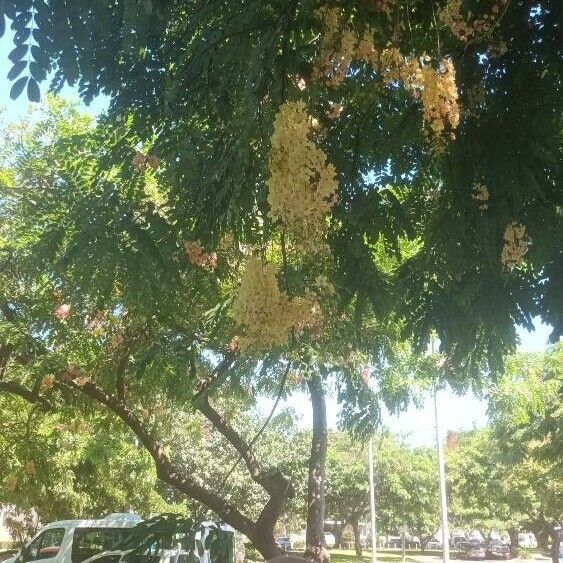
point(383, 555)
point(347, 556)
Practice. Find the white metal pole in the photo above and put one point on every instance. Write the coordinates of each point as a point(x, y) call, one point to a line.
point(372, 502)
point(442, 477)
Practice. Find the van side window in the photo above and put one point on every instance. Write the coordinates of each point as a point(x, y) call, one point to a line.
point(44, 546)
point(91, 541)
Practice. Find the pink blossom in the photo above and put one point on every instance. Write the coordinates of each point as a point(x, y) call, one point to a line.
point(62, 312)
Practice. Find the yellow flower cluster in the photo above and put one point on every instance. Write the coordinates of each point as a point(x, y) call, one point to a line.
point(340, 46)
point(439, 97)
point(515, 245)
point(267, 314)
point(463, 27)
point(481, 193)
point(302, 184)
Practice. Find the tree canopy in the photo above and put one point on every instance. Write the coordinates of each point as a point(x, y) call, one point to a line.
point(199, 85)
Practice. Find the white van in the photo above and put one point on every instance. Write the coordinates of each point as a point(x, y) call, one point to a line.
point(74, 541)
point(99, 541)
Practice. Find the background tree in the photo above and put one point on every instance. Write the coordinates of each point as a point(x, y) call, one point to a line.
point(347, 485)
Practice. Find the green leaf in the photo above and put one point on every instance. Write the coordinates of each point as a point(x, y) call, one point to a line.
point(22, 35)
point(18, 87)
point(16, 70)
point(33, 93)
point(37, 71)
point(18, 53)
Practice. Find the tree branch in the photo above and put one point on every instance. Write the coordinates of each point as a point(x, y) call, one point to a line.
point(164, 467)
point(233, 437)
point(16, 389)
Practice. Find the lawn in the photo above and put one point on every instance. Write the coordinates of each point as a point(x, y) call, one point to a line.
point(385, 556)
point(347, 556)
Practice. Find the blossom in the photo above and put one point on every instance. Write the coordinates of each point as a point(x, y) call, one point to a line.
point(515, 245)
point(48, 382)
point(268, 314)
point(302, 184)
point(481, 193)
point(143, 161)
point(62, 312)
point(198, 257)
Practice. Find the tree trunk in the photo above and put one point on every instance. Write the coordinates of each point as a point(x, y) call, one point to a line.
point(263, 541)
point(514, 545)
point(424, 541)
point(315, 540)
point(338, 531)
point(357, 539)
point(542, 537)
point(555, 534)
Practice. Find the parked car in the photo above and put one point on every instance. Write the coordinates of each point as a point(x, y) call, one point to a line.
point(495, 549)
point(101, 541)
point(284, 543)
point(73, 541)
point(473, 550)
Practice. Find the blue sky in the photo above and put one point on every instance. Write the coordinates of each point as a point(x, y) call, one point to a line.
point(457, 412)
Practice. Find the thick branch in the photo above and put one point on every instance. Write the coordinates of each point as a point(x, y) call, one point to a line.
point(165, 470)
point(17, 389)
point(232, 436)
point(204, 385)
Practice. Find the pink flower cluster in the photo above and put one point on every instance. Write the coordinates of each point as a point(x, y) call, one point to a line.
point(198, 257)
point(143, 161)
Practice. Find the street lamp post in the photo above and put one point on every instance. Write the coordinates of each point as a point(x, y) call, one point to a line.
point(372, 502)
point(442, 477)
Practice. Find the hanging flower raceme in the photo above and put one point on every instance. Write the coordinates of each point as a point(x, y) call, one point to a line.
point(340, 45)
point(302, 184)
point(515, 245)
point(481, 194)
point(265, 312)
point(439, 97)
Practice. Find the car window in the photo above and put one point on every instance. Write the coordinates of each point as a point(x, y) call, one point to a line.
point(45, 545)
point(91, 541)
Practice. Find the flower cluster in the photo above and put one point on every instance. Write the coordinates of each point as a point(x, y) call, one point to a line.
point(302, 184)
point(143, 161)
point(267, 314)
point(481, 194)
point(340, 45)
point(198, 257)
point(385, 6)
point(62, 312)
point(463, 27)
point(439, 97)
point(515, 245)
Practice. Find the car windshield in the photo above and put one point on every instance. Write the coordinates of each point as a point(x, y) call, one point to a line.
point(91, 541)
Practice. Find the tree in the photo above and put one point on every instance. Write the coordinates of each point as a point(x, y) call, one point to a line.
point(506, 476)
point(499, 173)
point(62, 466)
point(347, 484)
point(315, 116)
point(526, 418)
